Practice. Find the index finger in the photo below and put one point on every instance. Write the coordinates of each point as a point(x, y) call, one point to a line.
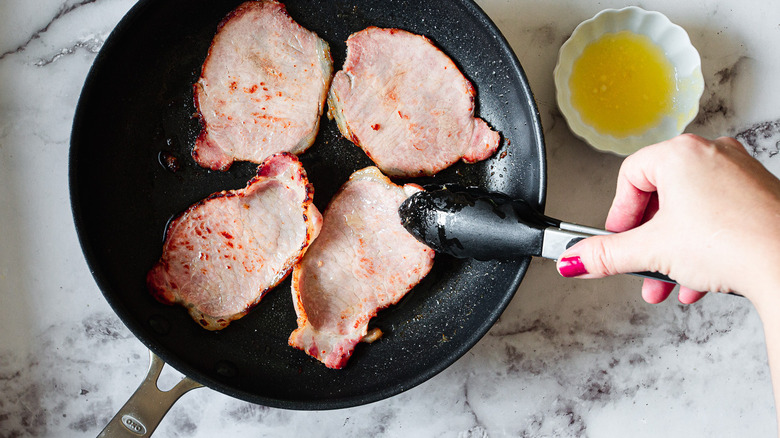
point(635, 186)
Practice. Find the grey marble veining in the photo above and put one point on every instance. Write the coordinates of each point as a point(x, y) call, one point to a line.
point(566, 359)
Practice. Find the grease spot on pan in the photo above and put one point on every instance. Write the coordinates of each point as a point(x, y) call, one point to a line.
point(160, 324)
point(169, 161)
point(226, 369)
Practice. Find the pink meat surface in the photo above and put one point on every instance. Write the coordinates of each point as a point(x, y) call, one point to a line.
point(225, 252)
point(262, 88)
point(363, 260)
point(406, 104)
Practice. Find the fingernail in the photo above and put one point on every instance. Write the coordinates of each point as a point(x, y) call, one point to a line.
point(571, 267)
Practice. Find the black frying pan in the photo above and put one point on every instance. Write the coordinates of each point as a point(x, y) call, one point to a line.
point(136, 111)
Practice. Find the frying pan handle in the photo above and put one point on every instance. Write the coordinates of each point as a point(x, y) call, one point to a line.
point(148, 405)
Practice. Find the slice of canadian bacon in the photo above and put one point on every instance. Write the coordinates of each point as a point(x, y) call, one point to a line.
point(223, 254)
point(362, 261)
point(262, 87)
point(406, 104)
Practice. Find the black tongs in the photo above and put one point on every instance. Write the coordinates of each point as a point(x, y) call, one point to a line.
point(470, 223)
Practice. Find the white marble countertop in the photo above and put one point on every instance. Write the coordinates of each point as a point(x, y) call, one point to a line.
point(568, 358)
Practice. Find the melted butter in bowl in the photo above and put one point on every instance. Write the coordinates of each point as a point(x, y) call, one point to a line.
point(628, 78)
point(622, 84)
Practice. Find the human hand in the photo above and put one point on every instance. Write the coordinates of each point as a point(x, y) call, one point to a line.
point(704, 213)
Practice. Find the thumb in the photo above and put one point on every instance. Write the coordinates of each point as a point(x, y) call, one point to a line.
point(601, 256)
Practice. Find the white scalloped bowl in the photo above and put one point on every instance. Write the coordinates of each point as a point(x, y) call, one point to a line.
point(677, 47)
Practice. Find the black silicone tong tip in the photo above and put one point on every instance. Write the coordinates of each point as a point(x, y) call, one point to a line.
point(470, 223)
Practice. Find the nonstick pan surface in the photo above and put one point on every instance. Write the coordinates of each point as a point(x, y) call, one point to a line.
point(131, 172)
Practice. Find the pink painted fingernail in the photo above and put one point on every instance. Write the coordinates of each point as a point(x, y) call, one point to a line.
point(571, 267)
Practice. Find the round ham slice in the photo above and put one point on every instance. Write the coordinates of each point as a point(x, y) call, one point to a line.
point(225, 252)
point(262, 87)
point(406, 104)
point(363, 260)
